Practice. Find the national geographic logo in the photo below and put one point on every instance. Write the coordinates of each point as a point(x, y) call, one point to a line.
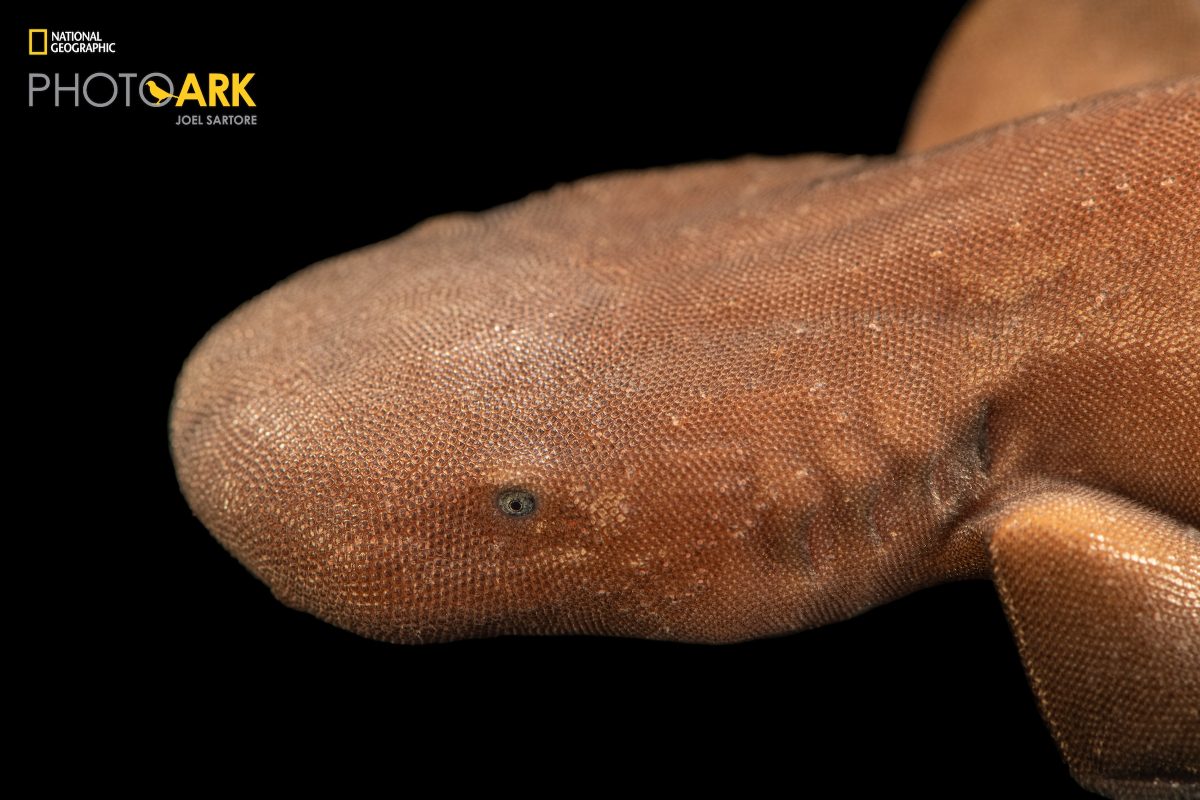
point(43, 42)
point(212, 90)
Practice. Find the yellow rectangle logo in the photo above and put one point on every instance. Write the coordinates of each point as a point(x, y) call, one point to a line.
point(34, 50)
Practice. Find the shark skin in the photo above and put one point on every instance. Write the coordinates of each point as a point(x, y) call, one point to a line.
point(737, 399)
point(752, 397)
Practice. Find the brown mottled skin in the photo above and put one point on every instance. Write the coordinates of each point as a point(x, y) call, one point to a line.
point(746, 398)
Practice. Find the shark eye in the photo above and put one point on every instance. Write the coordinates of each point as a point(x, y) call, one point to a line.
point(517, 502)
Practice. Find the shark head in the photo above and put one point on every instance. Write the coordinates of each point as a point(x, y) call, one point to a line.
point(585, 412)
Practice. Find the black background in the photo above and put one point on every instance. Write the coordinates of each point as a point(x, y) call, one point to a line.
point(145, 234)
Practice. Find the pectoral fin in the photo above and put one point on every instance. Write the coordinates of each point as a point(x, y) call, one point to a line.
point(1104, 599)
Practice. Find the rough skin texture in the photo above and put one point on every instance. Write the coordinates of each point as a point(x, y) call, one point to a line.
point(754, 397)
point(1115, 666)
point(748, 402)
